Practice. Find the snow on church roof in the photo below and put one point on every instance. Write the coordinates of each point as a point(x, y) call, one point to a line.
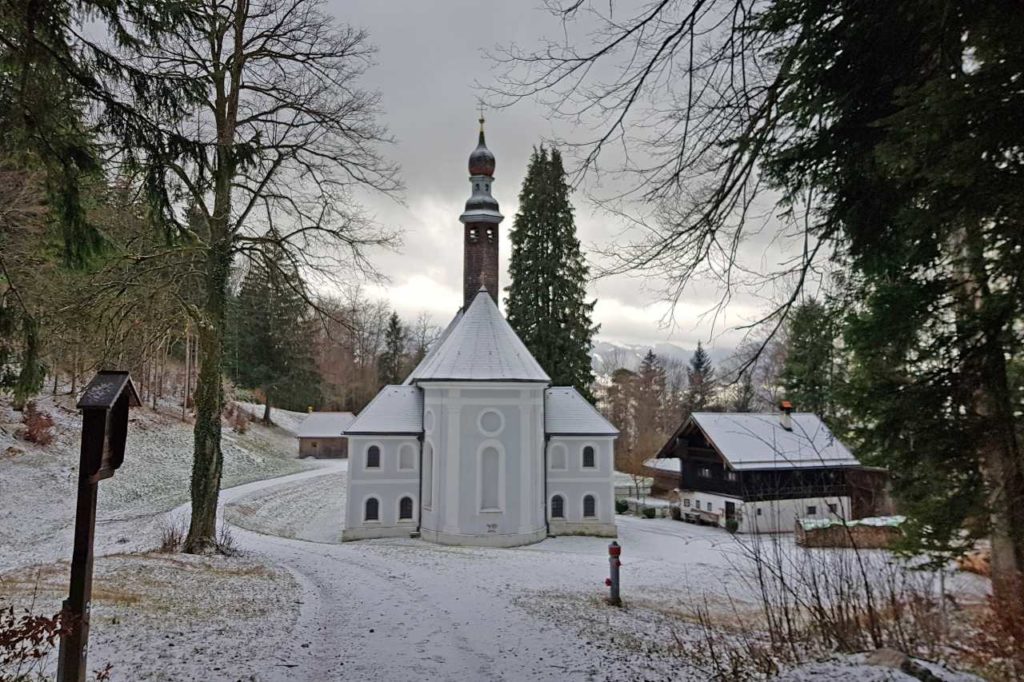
point(480, 346)
point(396, 409)
point(566, 412)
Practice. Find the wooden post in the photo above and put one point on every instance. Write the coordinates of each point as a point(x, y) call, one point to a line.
point(71, 666)
point(104, 404)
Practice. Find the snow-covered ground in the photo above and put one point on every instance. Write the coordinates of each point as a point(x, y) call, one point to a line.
point(412, 609)
point(37, 483)
point(298, 605)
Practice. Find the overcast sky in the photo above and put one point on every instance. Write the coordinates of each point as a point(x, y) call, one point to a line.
point(431, 55)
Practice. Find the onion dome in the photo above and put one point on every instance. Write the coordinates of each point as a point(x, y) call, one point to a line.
point(481, 161)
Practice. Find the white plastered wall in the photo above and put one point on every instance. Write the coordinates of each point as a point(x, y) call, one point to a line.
point(463, 421)
point(568, 478)
point(388, 484)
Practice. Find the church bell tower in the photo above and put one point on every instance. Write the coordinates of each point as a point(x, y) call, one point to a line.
point(480, 227)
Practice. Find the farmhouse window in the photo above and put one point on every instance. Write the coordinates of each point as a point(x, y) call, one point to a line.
point(705, 472)
point(758, 511)
point(686, 502)
point(557, 507)
point(373, 457)
point(589, 506)
point(812, 510)
point(312, 443)
point(405, 509)
point(709, 506)
point(730, 476)
point(372, 511)
point(588, 457)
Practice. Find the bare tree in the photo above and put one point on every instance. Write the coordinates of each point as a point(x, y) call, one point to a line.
point(663, 86)
point(268, 160)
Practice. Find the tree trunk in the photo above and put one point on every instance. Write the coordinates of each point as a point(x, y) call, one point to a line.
point(991, 405)
point(1000, 458)
point(209, 402)
point(266, 409)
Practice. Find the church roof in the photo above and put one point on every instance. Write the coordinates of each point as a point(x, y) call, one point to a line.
point(567, 413)
point(395, 410)
point(324, 424)
point(479, 346)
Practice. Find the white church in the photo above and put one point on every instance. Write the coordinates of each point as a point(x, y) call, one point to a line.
point(476, 447)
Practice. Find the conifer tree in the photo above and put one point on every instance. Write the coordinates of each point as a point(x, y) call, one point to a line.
point(702, 382)
point(547, 298)
point(391, 361)
point(271, 337)
point(811, 375)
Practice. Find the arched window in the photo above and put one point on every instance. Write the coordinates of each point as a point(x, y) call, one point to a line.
point(372, 510)
point(490, 234)
point(472, 234)
point(588, 458)
point(373, 457)
point(405, 509)
point(558, 507)
point(589, 506)
point(558, 457)
point(476, 187)
point(428, 475)
point(490, 479)
point(406, 457)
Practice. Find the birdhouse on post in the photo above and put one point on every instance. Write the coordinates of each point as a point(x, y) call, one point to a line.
point(104, 405)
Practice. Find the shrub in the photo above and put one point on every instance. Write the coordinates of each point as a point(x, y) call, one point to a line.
point(677, 513)
point(649, 512)
point(26, 640)
point(621, 506)
point(38, 427)
point(732, 525)
point(172, 537)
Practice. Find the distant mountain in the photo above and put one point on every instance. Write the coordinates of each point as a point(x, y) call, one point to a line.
point(606, 357)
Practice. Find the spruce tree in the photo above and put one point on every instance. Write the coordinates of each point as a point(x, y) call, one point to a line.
point(271, 337)
point(391, 361)
point(811, 374)
point(547, 298)
point(700, 375)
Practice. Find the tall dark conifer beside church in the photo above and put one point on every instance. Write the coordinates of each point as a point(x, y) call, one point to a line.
point(547, 298)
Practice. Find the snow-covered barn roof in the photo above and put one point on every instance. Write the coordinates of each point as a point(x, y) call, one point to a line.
point(396, 409)
point(324, 424)
point(479, 346)
point(758, 441)
point(566, 413)
point(663, 464)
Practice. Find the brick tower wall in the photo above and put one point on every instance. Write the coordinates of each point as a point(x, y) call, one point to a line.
point(480, 261)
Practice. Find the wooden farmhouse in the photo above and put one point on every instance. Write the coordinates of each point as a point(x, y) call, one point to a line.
point(764, 471)
point(321, 434)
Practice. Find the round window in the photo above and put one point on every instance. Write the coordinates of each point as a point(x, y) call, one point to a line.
point(491, 422)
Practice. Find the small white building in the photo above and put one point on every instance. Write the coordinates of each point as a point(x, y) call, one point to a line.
point(476, 447)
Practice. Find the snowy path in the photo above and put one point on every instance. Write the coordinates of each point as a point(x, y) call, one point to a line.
point(402, 611)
